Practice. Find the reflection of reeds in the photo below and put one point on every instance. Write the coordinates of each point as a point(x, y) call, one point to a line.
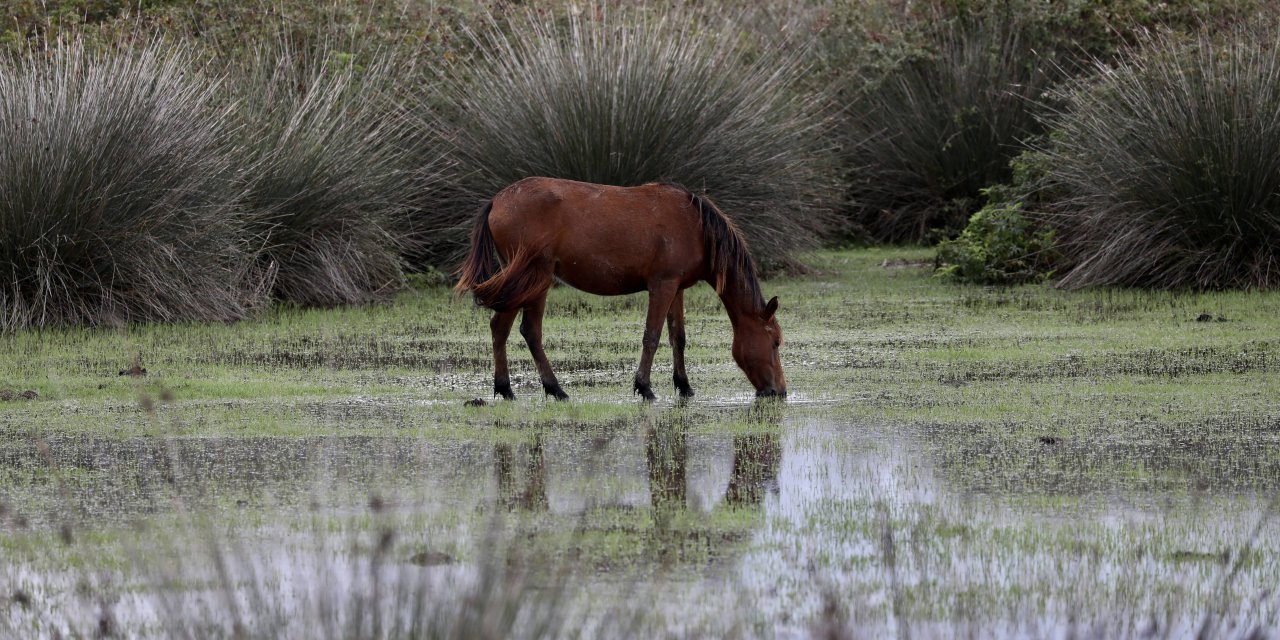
point(1216, 623)
point(310, 593)
point(294, 579)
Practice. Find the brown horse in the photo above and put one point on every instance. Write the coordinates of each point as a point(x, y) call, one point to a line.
point(613, 241)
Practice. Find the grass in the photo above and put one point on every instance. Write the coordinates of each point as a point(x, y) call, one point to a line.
point(951, 458)
point(856, 332)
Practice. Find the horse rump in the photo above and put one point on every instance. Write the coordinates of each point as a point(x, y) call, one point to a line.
point(521, 281)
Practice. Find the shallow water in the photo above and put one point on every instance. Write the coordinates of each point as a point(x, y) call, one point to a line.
point(790, 521)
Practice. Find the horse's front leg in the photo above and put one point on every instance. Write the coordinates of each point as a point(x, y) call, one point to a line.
point(675, 334)
point(660, 297)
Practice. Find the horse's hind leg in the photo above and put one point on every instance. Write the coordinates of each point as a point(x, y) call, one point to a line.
point(531, 329)
point(675, 334)
point(500, 327)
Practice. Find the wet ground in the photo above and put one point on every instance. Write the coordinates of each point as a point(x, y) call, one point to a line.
point(970, 462)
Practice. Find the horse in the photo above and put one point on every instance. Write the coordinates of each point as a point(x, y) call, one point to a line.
point(609, 240)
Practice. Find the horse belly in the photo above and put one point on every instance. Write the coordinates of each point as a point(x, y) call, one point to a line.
point(601, 274)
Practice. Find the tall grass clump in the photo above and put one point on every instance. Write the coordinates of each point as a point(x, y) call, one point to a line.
point(329, 178)
point(1165, 169)
point(926, 135)
point(117, 197)
point(628, 97)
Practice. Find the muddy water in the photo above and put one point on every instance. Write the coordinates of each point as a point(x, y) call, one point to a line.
point(887, 524)
point(785, 526)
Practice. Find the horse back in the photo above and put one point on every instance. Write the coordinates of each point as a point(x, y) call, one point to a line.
point(602, 239)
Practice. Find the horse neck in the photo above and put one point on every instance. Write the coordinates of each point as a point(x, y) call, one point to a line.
point(740, 300)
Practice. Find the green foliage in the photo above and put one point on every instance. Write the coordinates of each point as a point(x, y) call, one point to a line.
point(1166, 168)
point(999, 247)
point(117, 200)
point(627, 98)
point(1103, 29)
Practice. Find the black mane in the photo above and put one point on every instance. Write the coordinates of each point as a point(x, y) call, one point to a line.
point(728, 257)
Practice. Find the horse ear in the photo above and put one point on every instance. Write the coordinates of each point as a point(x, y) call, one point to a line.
point(770, 309)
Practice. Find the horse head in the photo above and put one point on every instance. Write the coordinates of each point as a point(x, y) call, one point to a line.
point(756, 340)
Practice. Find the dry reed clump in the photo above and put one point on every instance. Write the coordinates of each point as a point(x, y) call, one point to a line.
point(924, 137)
point(117, 194)
point(625, 98)
point(1165, 169)
point(330, 183)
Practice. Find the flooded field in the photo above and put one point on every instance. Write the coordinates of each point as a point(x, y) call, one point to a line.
point(952, 461)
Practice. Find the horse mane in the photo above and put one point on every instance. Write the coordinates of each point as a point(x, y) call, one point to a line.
point(728, 257)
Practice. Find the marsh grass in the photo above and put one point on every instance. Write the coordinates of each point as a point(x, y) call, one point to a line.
point(623, 97)
point(118, 199)
point(1165, 169)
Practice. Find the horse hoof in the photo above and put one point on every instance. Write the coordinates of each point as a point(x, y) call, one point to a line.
point(503, 389)
point(682, 386)
point(555, 390)
point(644, 391)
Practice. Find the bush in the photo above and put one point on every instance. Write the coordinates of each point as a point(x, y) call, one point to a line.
point(1166, 169)
point(999, 247)
point(116, 194)
point(925, 137)
point(625, 98)
point(330, 184)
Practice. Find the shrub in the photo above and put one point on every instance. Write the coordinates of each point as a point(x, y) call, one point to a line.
point(625, 98)
point(1167, 167)
point(998, 247)
point(116, 194)
point(329, 182)
point(925, 137)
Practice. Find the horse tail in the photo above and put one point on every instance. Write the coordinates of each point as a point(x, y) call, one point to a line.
point(522, 281)
point(482, 261)
point(514, 286)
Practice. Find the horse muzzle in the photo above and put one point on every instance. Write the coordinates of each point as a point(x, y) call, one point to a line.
point(770, 392)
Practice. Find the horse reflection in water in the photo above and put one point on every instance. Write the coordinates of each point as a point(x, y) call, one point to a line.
point(666, 469)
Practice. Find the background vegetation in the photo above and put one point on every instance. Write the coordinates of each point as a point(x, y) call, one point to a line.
point(625, 99)
point(333, 147)
point(118, 195)
point(1165, 170)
